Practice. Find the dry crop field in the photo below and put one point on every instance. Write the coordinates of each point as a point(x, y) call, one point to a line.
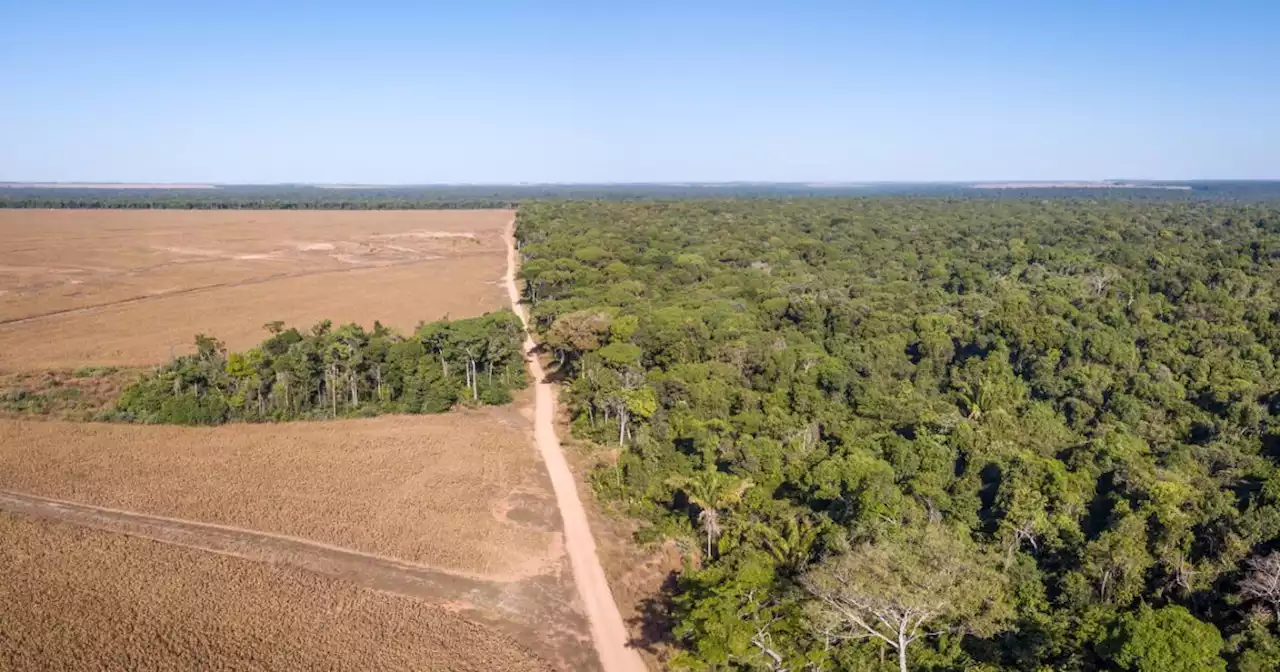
point(81, 599)
point(463, 491)
point(399, 542)
point(130, 287)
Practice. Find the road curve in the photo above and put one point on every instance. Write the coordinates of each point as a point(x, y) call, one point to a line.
point(607, 629)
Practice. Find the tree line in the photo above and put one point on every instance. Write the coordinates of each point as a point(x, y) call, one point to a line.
point(934, 434)
point(328, 372)
point(445, 197)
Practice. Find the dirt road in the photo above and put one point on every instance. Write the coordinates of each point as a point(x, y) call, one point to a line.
point(607, 629)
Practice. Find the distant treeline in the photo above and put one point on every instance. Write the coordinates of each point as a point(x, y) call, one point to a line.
point(328, 372)
point(446, 197)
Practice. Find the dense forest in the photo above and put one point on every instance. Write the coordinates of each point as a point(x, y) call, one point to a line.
point(334, 372)
point(934, 434)
point(443, 197)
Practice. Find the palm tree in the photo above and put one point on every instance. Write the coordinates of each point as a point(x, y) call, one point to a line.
point(790, 542)
point(712, 491)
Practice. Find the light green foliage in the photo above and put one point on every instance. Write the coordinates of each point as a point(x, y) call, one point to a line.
point(900, 590)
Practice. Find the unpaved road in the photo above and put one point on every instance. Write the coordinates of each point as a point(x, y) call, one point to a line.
point(520, 609)
point(607, 629)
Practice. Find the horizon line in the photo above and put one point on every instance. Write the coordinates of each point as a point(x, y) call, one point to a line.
point(813, 184)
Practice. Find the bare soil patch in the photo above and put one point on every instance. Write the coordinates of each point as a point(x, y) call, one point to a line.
point(122, 287)
point(463, 492)
point(78, 599)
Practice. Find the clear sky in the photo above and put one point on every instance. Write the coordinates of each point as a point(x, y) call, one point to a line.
point(474, 91)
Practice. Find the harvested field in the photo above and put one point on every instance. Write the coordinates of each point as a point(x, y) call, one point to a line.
point(398, 542)
point(463, 492)
point(78, 599)
point(128, 287)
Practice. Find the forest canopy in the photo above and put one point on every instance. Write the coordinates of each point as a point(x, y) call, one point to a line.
point(934, 434)
point(327, 372)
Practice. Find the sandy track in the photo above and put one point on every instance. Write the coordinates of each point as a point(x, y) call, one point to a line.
point(512, 608)
point(607, 628)
point(375, 570)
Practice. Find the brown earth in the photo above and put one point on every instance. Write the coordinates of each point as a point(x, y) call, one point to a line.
point(453, 510)
point(463, 491)
point(127, 287)
point(351, 532)
point(81, 599)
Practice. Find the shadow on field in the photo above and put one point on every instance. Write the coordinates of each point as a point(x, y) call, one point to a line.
point(653, 624)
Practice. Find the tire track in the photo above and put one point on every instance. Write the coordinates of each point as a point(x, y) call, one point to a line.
point(375, 571)
point(520, 609)
point(204, 288)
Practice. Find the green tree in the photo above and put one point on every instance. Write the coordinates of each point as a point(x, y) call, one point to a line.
point(1168, 639)
point(713, 492)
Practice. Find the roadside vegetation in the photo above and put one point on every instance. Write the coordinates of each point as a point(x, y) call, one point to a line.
point(328, 372)
point(934, 434)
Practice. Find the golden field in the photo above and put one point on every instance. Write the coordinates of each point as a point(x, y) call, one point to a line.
point(80, 599)
point(398, 542)
point(132, 287)
point(462, 491)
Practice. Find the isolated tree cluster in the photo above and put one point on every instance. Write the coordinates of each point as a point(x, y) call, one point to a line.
point(334, 372)
point(934, 433)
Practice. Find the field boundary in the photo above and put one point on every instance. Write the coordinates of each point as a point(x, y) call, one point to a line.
point(607, 628)
point(243, 543)
point(512, 607)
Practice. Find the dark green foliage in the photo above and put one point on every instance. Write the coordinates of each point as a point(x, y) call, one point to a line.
point(328, 372)
point(1086, 391)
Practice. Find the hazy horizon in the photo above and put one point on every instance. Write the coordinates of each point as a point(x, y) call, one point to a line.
point(497, 93)
point(808, 183)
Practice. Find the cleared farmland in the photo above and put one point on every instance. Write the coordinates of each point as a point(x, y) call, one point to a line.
point(463, 491)
point(398, 542)
point(120, 287)
point(81, 599)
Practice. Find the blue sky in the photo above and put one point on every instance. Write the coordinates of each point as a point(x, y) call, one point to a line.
point(424, 92)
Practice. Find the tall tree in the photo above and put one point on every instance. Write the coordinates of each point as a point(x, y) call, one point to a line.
point(903, 590)
point(713, 492)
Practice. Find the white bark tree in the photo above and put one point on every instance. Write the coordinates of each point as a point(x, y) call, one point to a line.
point(1262, 581)
point(899, 592)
